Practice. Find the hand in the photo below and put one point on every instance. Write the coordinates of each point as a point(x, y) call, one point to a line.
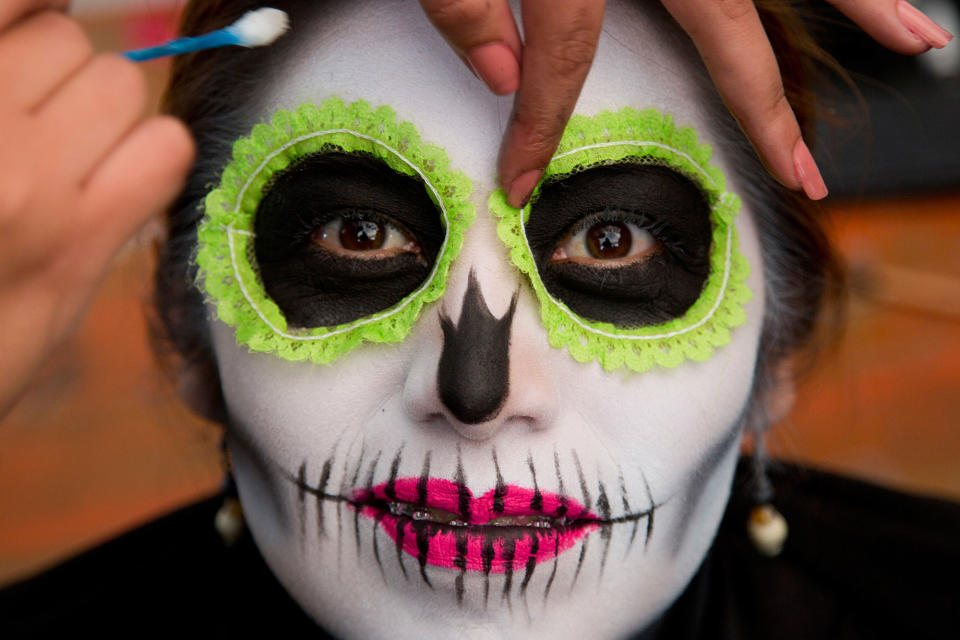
point(80, 172)
point(548, 70)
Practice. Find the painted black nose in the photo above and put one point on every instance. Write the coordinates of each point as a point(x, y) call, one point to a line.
point(473, 378)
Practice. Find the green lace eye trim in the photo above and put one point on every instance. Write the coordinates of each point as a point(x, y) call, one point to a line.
point(227, 268)
point(647, 137)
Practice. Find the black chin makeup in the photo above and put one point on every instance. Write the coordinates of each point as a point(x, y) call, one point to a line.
point(611, 210)
point(342, 236)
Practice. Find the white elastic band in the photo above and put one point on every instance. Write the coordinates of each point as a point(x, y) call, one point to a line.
point(363, 321)
point(726, 263)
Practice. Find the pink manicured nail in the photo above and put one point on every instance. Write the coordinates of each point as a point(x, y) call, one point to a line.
point(921, 26)
point(807, 172)
point(522, 187)
point(497, 66)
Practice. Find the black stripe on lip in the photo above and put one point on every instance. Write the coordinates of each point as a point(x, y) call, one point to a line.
point(422, 531)
point(401, 525)
point(486, 555)
point(463, 494)
point(508, 553)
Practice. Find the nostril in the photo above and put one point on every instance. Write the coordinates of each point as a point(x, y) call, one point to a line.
point(472, 402)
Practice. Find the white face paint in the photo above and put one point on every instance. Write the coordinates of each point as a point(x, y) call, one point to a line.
point(658, 448)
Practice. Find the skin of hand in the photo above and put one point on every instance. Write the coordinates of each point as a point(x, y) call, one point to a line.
point(80, 172)
point(548, 68)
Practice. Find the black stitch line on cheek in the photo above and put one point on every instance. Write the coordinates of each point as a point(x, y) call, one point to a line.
point(500, 492)
point(653, 507)
point(422, 481)
point(626, 509)
point(553, 572)
point(391, 489)
point(606, 530)
point(587, 501)
point(583, 481)
point(376, 546)
point(343, 491)
point(321, 490)
point(302, 499)
point(356, 510)
point(583, 553)
point(536, 503)
point(391, 492)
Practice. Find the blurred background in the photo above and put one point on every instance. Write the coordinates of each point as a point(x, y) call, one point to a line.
point(100, 443)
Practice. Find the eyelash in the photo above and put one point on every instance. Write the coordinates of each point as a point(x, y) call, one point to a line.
point(660, 231)
point(392, 228)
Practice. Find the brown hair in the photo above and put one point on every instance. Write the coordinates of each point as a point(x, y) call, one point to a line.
point(210, 91)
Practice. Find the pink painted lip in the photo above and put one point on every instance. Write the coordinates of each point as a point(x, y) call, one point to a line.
point(475, 544)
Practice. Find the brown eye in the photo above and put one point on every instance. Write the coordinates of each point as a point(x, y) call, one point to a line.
point(606, 241)
point(363, 235)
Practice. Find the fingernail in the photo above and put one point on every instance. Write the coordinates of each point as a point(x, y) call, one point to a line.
point(497, 66)
point(921, 26)
point(807, 172)
point(522, 187)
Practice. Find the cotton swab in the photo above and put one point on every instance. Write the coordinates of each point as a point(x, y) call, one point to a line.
point(254, 29)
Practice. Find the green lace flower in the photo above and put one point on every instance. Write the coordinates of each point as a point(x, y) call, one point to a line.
point(227, 268)
point(640, 137)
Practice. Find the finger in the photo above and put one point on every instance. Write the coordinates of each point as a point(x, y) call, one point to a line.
point(896, 24)
point(13, 10)
point(561, 39)
point(735, 49)
point(484, 34)
point(38, 55)
point(141, 176)
point(85, 119)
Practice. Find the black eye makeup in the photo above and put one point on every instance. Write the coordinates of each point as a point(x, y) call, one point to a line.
point(341, 236)
point(627, 244)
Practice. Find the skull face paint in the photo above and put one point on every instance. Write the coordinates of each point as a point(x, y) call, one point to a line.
point(586, 501)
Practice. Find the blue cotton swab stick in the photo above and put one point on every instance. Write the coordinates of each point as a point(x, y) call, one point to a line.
point(254, 29)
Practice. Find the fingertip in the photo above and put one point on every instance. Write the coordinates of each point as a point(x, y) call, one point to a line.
point(497, 66)
point(921, 27)
point(807, 172)
point(519, 191)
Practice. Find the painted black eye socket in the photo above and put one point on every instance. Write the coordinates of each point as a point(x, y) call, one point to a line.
point(342, 236)
point(627, 244)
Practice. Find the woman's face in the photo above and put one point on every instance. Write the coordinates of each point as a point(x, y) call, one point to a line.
point(393, 499)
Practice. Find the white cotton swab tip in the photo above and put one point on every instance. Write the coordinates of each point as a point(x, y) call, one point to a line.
point(260, 27)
